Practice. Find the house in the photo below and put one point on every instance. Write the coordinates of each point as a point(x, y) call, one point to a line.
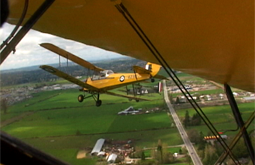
point(129, 110)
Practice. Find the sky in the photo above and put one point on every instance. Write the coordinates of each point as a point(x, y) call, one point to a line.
point(29, 52)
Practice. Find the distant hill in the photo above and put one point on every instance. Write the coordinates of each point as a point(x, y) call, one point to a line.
point(34, 74)
point(64, 64)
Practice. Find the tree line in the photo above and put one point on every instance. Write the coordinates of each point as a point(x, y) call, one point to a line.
point(210, 152)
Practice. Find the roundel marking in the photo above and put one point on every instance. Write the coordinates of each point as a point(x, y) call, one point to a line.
point(122, 78)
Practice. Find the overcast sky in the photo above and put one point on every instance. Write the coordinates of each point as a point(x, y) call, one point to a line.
point(29, 52)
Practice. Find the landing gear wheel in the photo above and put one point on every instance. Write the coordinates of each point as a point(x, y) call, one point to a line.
point(152, 80)
point(137, 100)
point(98, 103)
point(80, 98)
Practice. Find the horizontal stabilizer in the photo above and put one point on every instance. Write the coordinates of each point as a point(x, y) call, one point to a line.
point(140, 70)
point(129, 97)
point(63, 75)
point(160, 77)
point(70, 56)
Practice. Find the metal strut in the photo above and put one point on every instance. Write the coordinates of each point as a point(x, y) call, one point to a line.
point(22, 17)
point(121, 8)
point(23, 31)
point(239, 121)
point(235, 140)
point(96, 97)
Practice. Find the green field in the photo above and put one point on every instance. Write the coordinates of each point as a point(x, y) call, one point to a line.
point(55, 122)
point(59, 125)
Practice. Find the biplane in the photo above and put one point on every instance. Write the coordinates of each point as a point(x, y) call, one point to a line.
point(213, 40)
point(104, 80)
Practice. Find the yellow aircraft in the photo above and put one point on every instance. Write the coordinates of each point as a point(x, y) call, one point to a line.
point(105, 80)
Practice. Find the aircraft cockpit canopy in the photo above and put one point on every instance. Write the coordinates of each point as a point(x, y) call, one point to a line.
point(106, 73)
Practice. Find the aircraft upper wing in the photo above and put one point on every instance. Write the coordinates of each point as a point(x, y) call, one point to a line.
point(209, 39)
point(63, 75)
point(126, 96)
point(70, 56)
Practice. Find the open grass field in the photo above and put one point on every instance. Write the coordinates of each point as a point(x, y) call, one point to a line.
point(221, 117)
point(59, 125)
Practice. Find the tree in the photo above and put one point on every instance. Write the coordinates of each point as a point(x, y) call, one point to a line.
point(4, 105)
point(194, 136)
point(240, 149)
point(161, 155)
point(167, 158)
point(142, 155)
point(160, 151)
point(180, 151)
point(177, 100)
point(195, 120)
point(188, 159)
point(201, 142)
point(186, 120)
point(210, 155)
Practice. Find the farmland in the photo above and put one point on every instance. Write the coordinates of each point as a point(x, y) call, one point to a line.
point(56, 118)
point(56, 123)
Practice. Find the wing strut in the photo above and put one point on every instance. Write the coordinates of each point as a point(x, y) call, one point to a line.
point(14, 31)
point(123, 10)
point(235, 140)
point(125, 96)
point(239, 121)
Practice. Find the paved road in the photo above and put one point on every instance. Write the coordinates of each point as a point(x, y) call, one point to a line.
point(192, 152)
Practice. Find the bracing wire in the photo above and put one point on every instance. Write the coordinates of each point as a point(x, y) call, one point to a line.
point(173, 76)
point(14, 31)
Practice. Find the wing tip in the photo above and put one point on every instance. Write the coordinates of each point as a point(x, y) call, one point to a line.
point(48, 68)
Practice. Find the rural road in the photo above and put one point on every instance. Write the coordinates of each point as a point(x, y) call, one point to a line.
point(14, 119)
point(192, 152)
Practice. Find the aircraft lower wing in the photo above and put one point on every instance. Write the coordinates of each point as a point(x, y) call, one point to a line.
point(70, 56)
point(63, 75)
point(129, 97)
point(160, 77)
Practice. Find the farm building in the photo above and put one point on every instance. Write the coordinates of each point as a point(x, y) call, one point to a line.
point(112, 158)
point(98, 146)
point(129, 110)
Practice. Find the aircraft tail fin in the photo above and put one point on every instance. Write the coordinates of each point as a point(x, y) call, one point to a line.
point(154, 68)
point(138, 69)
